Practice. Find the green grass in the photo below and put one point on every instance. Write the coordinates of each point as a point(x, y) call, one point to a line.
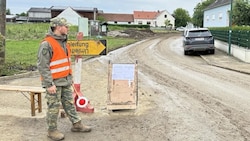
point(29, 31)
point(22, 43)
point(114, 43)
point(22, 52)
point(25, 51)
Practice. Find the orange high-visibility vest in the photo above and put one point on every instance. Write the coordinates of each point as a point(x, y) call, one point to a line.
point(60, 65)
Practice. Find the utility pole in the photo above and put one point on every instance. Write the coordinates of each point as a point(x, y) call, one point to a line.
point(2, 30)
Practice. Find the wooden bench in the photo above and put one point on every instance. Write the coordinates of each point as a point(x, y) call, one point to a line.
point(33, 91)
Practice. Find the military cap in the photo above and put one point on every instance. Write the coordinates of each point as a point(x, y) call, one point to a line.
point(58, 22)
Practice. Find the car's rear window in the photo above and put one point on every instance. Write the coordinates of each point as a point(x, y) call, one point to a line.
point(198, 33)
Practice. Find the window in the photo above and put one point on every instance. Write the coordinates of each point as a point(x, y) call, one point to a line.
point(139, 22)
point(148, 22)
point(198, 33)
point(165, 16)
point(207, 18)
point(213, 17)
point(220, 16)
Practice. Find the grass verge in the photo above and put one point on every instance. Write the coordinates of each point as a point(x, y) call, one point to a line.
point(23, 41)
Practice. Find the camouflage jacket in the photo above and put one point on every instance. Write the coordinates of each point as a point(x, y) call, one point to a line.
point(43, 62)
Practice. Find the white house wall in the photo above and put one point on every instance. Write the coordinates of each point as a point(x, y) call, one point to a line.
point(70, 15)
point(161, 19)
point(217, 17)
point(39, 15)
point(112, 22)
point(145, 21)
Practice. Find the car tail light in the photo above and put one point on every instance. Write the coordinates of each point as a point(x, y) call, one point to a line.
point(210, 38)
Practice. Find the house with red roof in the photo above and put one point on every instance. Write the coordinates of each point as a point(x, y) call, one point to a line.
point(112, 18)
point(153, 18)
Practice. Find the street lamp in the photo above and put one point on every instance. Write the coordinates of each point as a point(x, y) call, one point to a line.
point(230, 28)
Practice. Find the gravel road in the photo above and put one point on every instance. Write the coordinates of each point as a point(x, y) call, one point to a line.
point(180, 98)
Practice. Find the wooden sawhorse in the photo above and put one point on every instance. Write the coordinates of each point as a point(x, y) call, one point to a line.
point(35, 95)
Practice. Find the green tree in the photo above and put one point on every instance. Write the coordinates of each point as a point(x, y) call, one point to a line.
point(101, 18)
point(168, 24)
point(240, 13)
point(8, 12)
point(23, 14)
point(198, 15)
point(181, 17)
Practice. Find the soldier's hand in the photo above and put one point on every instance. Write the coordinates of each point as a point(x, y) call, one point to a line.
point(52, 89)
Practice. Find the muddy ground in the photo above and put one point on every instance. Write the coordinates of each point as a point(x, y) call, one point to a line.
point(180, 98)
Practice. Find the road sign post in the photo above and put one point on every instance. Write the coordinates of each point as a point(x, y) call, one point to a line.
point(79, 48)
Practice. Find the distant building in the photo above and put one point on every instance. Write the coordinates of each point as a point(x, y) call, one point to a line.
point(72, 14)
point(217, 14)
point(86, 12)
point(39, 14)
point(16, 18)
point(21, 19)
point(112, 18)
point(11, 18)
point(153, 18)
point(45, 14)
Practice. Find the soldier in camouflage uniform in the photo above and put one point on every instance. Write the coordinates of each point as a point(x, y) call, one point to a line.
point(56, 75)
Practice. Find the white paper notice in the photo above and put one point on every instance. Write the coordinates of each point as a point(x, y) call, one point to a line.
point(123, 72)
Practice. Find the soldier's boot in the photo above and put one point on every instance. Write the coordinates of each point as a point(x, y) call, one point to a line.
point(55, 135)
point(79, 127)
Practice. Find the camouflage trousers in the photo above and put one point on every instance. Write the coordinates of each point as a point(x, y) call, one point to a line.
point(63, 96)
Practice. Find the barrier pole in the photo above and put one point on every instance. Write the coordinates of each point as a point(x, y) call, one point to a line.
point(77, 81)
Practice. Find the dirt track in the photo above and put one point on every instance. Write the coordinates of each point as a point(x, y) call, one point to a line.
point(181, 98)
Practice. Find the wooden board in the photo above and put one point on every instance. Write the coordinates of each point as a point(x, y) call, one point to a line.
point(33, 92)
point(122, 86)
point(22, 88)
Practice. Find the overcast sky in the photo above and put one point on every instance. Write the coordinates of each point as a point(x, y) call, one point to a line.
point(108, 6)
